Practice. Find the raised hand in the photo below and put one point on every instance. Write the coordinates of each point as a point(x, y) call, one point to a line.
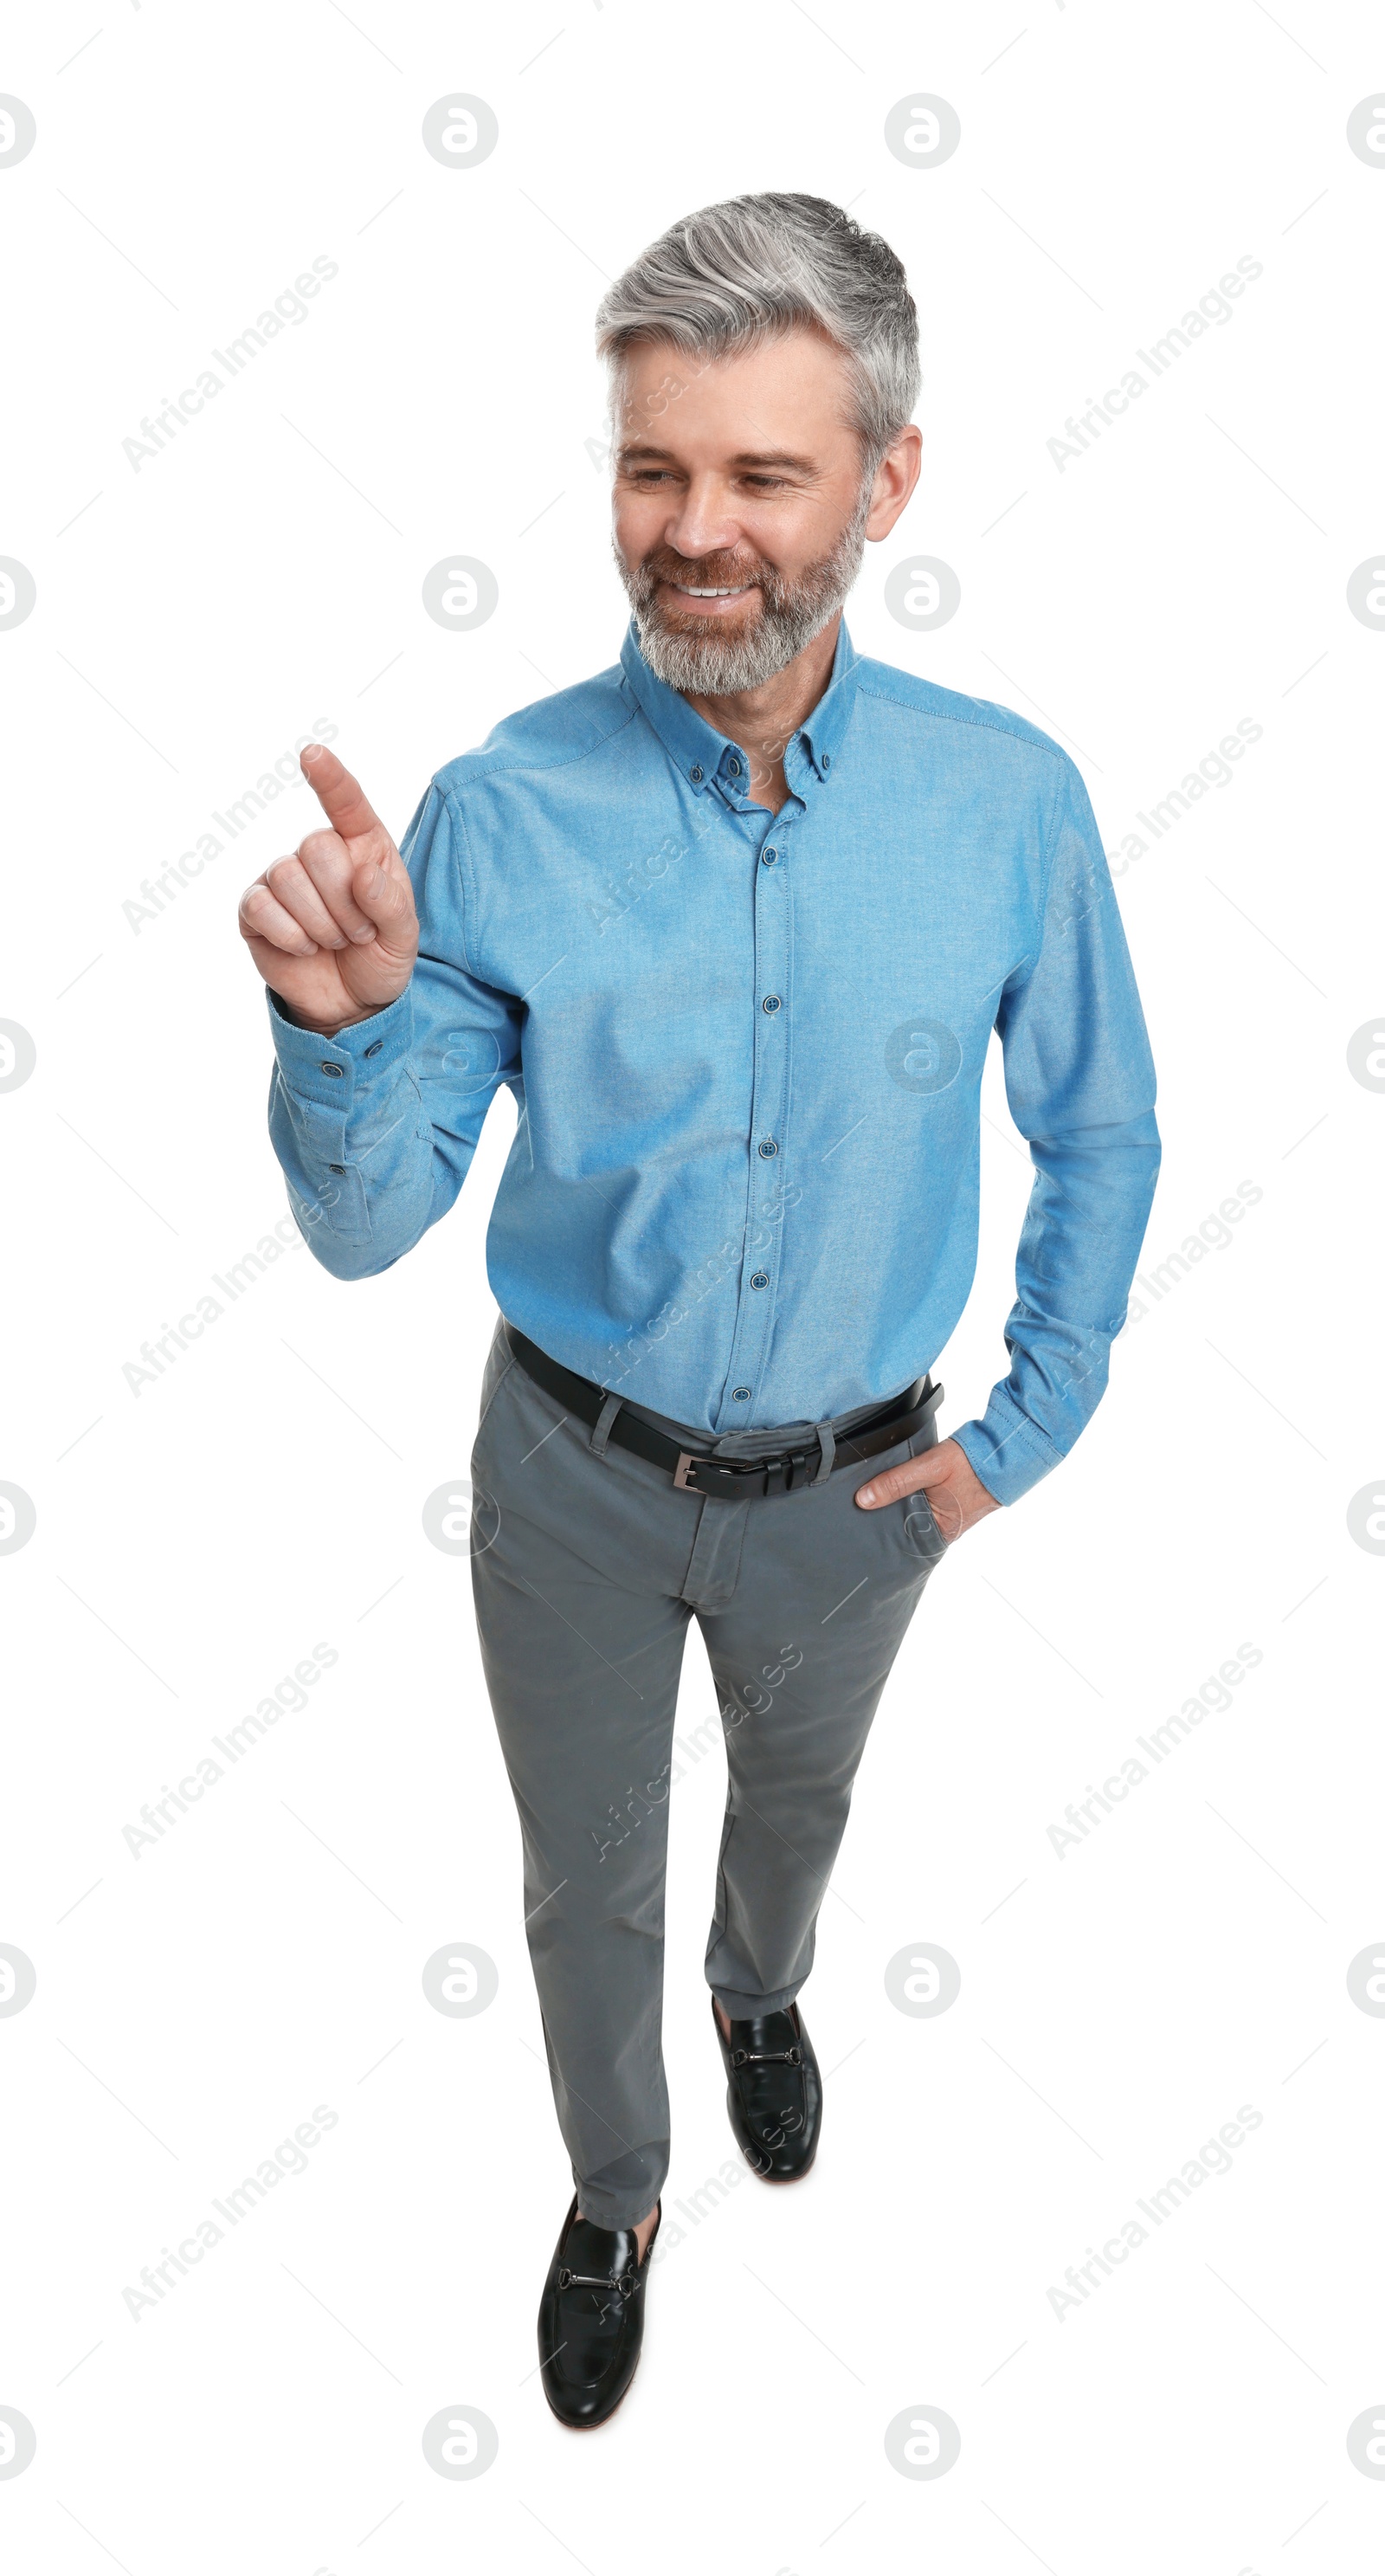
point(333, 929)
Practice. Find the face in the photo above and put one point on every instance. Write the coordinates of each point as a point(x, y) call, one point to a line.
point(740, 513)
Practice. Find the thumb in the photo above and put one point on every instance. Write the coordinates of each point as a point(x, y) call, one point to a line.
point(386, 897)
point(912, 1476)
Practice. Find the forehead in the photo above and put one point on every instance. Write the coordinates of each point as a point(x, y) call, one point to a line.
point(784, 393)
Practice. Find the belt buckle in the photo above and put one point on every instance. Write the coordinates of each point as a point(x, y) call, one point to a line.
point(730, 1471)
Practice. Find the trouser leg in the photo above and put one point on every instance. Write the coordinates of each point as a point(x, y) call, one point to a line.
point(582, 1639)
point(800, 1656)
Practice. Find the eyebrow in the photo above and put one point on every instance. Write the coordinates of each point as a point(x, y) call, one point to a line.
point(637, 448)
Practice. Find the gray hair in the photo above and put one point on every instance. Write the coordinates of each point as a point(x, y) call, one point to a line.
point(750, 269)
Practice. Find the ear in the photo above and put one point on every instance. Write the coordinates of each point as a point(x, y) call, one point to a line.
point(895, 478)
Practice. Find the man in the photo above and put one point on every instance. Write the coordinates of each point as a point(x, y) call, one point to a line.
point(734, 921)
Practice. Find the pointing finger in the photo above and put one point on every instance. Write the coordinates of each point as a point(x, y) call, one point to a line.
point(347, 809)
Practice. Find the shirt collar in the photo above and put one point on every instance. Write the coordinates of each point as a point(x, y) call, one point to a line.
point(699, 751)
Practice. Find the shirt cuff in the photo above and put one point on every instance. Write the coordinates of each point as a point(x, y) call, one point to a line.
point(1005, 1449)
point(331, 1071)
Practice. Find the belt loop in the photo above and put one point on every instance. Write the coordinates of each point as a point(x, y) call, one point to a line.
point(601, 1428)
point(827, 1443)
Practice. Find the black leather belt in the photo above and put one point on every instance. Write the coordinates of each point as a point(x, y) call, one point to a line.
point(735, 1480)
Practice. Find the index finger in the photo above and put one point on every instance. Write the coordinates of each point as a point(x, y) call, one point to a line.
point(347, 808)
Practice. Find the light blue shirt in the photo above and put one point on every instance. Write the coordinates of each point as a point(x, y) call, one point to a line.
point(746, 1051)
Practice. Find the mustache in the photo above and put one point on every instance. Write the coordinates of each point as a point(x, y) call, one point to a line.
point(718, 571)
point(722, 565)
point(737, 653)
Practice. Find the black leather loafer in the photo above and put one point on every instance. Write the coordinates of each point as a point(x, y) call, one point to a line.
point(773, 2092)
point(591, 2319)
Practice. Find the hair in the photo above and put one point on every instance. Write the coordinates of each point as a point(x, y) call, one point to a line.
point(752, 268)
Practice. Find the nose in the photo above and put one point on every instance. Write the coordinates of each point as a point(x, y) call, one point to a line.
point(702, 522)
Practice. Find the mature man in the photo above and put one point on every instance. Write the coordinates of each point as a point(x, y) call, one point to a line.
point(734, 922)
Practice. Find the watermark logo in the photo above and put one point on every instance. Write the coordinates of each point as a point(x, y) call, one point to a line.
point(18, 1055)
point(922, 131)
point(921, 1055)
point(924, 1981)
point(460, 1519)
point(1366, 2442)
point(1366, 1980)
point(1366, 1517)
point(18, 132)
point(18, 1979)
point(923, 2442)
point(470, 1058)
point(18, 1519)
point(461, 2442)
point(923, 592)
point(18, 2442)
point(460, 130)
point(18, 591)
point(1365, 1055)
point(1365, 592)
point(460, 593)
point(1366, 135)
point(460, 1980)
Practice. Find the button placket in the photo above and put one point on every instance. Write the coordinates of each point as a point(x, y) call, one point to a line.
point(768, 1109)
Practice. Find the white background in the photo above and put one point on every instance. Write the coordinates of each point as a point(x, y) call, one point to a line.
point(196, 1539)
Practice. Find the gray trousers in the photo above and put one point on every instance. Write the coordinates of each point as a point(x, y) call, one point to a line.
point(588, 1565)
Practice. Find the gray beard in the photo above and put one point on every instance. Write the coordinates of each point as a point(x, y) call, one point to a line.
point(715, 665)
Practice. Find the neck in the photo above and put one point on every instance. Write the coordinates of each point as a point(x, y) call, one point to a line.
point(763, 721)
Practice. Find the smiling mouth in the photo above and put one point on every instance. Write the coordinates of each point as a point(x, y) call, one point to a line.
point(707, 599)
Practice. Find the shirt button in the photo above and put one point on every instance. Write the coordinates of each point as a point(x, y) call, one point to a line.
point(740, 1395)
point(827, 760)
point(769, 1149)
point(334, 1069)
point(768, 857)
point(734, 767)
point(696, 776)
point(760, 1279)
point(374, 1050)
point(770, 1004)
point(336, 1167)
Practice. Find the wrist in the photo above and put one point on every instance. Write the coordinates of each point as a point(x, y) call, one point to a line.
point(319, 1028)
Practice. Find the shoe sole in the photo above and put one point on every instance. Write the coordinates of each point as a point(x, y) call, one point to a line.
point(779, 2178)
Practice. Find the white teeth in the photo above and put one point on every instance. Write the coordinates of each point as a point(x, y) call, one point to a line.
point(689, 592)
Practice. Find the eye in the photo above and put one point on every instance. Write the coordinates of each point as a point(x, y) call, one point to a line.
point(766, 482)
